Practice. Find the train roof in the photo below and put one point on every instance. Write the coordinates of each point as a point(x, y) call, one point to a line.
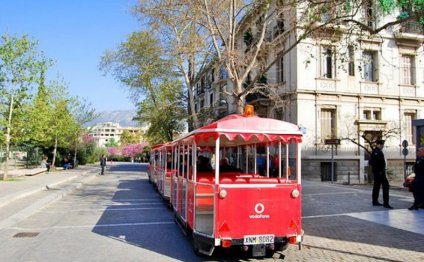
point(239, 129)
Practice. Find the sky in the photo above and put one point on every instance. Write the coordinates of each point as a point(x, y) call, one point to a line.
point(75, 33)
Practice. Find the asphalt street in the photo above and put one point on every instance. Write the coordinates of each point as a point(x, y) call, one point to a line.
point(120, 217)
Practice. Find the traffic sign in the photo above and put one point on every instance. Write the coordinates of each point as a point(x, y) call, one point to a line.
point(405, 151)
point(405, 143)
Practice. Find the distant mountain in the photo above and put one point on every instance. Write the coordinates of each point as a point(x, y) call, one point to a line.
point(123, 117)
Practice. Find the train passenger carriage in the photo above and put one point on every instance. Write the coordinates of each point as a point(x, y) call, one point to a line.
point(237, 184)
point(160, 169)
point(153, 164)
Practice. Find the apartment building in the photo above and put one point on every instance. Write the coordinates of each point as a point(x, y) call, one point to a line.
point(355, 90)
point(104, 132)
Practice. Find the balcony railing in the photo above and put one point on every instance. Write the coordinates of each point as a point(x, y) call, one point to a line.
point(412, 27)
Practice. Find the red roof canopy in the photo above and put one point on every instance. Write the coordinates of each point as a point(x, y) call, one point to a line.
point(238, 130)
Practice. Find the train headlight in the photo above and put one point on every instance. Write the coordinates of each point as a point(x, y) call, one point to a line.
point(295, 193)
point(222, 194)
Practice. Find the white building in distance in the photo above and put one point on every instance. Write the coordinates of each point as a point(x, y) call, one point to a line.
point(104, 132)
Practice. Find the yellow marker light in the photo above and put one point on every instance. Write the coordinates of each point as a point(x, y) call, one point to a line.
point(295, 193)
point(249, 111)
point(222, 194)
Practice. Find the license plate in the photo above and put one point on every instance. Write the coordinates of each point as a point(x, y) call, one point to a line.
point(258, 239)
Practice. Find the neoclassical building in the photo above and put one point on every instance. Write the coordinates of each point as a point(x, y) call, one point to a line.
point(365, 88)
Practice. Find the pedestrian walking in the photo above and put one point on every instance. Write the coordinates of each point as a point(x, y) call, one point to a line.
point(378, 166)
point(418, 183)
point(102, 164)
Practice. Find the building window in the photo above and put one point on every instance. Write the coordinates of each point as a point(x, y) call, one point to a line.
point(279, 27)
point(370, 14)
point(211, 99)
point(371, 114)
point(280, 69)
point(369, 66)
point(328, 123)
point(223, 73)
point(327, 62)
point(408, 70)
point(351, 54)
point(409, 129)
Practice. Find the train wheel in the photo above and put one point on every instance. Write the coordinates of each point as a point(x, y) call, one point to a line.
point(196, 249)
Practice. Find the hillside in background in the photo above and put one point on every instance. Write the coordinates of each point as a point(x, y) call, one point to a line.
point(123, 117)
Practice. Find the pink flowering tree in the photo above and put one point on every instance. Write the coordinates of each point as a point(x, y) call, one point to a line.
point(133, 150)
point(113, 151)
point(87, 139)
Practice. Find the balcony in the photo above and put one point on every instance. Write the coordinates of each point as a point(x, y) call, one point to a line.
point(408, 90)
point(326, 84)
point(412, 27)
point(371, 88)
point(251, 98)
point(410, 34)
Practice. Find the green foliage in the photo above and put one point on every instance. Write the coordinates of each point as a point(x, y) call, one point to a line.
point(387, 5)
point(139, 63)
point(111, 143)
point(129, 138)
point(166, 115)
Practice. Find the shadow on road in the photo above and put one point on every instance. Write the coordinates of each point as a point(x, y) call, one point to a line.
point(138, 216)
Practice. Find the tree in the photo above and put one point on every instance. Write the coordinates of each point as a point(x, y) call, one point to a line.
point(20, 66)
point(83, 112)
point(271, 29)
point(113, 151)
point(111, 142)
point(133, 150)
point(181, 39)
point(165, 117)
point(139, 64)
point(63, 127)
point(129, 138)
point(38, 115)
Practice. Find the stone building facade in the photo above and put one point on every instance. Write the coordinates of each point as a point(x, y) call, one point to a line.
point(366, 88)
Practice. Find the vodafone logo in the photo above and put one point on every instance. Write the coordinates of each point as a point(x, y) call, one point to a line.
point(259, 208)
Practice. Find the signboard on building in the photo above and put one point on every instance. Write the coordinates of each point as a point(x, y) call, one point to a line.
point(332, 141)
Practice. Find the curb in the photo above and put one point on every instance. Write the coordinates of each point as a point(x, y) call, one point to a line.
point(31, 209)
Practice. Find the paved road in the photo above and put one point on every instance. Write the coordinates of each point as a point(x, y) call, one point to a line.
point(119, 217)
point(341, 225)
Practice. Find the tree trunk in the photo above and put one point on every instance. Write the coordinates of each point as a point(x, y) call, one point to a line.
point(9, 124)
point(75, 155)
point(54, 152)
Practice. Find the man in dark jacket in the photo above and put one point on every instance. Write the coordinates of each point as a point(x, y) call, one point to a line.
point(378, 165)
point(102, 164)
point(418, 183)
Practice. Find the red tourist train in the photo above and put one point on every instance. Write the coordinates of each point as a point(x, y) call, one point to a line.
point(234, 183)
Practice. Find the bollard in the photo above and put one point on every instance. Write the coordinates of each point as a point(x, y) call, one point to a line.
point(348, 178)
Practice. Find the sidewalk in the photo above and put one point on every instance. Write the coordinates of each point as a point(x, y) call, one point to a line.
point(20, 197)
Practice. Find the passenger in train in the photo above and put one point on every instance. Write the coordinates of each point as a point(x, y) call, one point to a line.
point(418, 183)
point(203, 164)
point(224, 166)
point(260, 163)
point(169, 162)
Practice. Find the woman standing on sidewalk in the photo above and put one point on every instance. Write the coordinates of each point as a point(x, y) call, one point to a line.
point(418, 183)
